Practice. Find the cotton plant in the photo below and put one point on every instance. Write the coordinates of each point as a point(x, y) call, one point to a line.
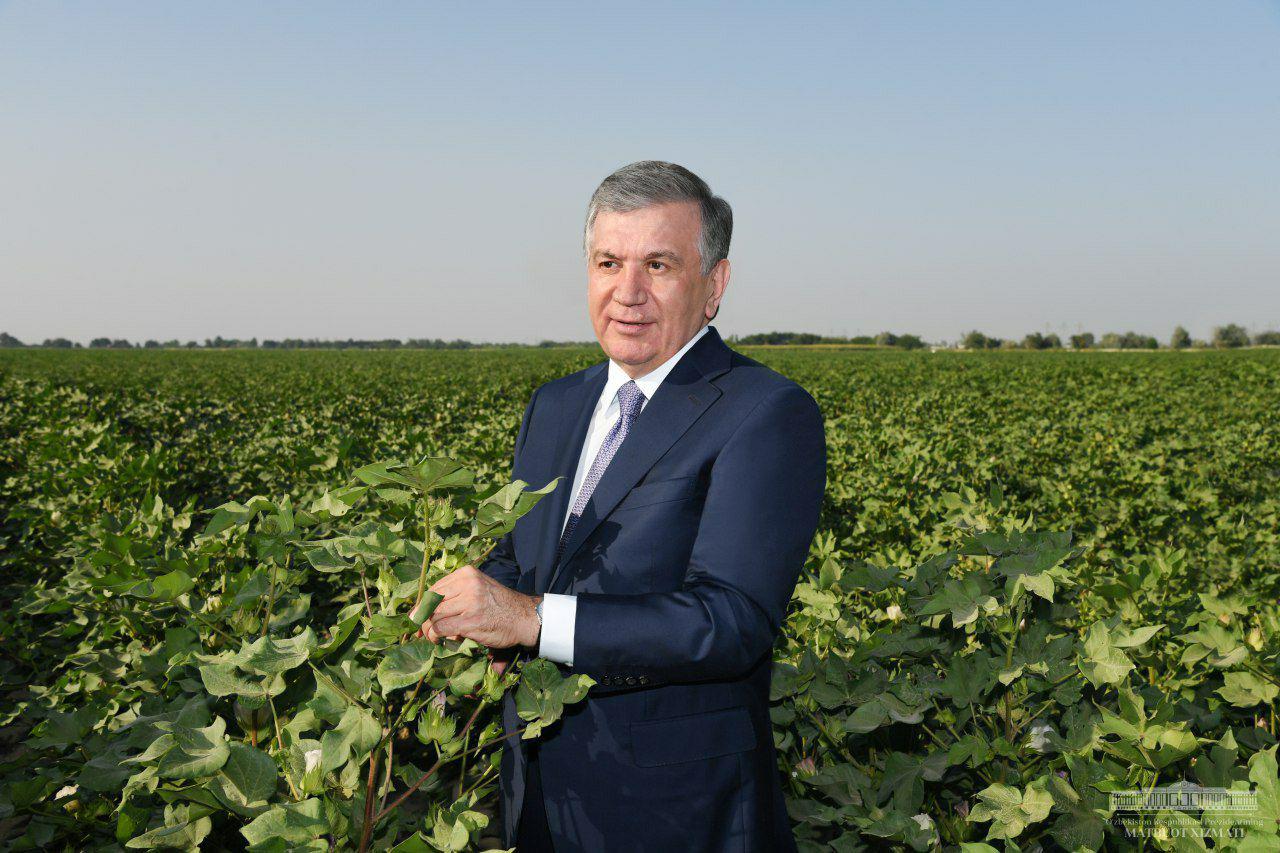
point(306, 724)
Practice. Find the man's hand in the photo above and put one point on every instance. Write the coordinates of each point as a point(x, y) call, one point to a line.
point(477, 606)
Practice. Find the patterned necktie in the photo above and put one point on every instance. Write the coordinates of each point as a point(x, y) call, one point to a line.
point(630, 398)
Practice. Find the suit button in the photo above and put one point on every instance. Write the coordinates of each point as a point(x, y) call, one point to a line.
point(644, 679)
point(631, 679)
point(604, 679)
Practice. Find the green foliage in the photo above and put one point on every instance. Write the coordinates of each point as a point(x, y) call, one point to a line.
point(1035, 581)
point(1081, 341)
point(1035, 340)
point(1230, 335)
point(1128, 340)
point(249, 721)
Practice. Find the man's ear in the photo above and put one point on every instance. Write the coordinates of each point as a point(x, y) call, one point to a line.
point(719, 277)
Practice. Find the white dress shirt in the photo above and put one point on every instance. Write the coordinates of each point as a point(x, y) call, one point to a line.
point(559, 612)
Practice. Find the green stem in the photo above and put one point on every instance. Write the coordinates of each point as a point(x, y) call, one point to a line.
point(823, 734)
point(462, 770)
point(386, 783)
point(271, 597)
point(426, 548)
point(275, 720)
point(364, 587)
point(484, 777)
point(1046, 706)
point(366, 831)
point(211, 626)
point(1263, 674)
point(986, 777)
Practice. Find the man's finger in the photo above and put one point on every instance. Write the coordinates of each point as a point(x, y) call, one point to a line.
point(448, 581)
point(454, 589)
point(448, 607)
point(442, 585)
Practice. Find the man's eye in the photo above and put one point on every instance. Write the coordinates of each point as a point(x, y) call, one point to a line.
point(606, 263)
point(657, 264)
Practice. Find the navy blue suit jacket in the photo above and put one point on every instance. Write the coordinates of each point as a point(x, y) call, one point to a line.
point(683, 563)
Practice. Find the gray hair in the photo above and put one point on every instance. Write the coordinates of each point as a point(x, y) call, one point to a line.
point(649, 182)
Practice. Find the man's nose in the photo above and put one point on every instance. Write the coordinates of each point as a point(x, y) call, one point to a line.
point(633, 288)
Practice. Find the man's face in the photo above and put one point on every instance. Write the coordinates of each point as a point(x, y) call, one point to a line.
point(645, 290)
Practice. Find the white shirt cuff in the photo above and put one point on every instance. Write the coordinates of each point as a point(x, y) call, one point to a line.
point(559, 613)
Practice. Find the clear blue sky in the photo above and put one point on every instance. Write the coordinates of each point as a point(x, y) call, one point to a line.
point(409, 170)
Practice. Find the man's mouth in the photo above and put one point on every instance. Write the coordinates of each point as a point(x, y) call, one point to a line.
point(631, 328)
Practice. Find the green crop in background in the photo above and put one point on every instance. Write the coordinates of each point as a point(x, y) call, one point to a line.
point(1039, 578)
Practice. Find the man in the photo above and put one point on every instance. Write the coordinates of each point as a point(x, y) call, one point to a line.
point(662, 564)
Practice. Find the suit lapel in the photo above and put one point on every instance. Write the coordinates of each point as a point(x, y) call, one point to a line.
point(680, 400)
point(575, 415)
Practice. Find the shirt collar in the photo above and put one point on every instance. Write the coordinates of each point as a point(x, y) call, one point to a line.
point(648, 383)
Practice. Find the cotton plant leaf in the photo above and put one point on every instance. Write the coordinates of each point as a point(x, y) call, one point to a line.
point(336, 503)
point(223, 678)
point(1100, 660)
point(1011, 810)
point(196, 752)
point(963, 599)
point(270, 656)
point(430, 474)
point(284, 826)
point(232, 514)
point(1246, 690)
point(405, 664)
point(246, 781)
point(180, 831)
point(543, 692)
point(497, 514)
point(171, 585)
point(356, 733)
point(325, 558)
point(1265, 777)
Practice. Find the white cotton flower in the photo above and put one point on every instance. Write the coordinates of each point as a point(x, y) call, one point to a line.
point(923, 820)
point(1039, 739)
point(312, 758)
point(68, 791)
point(893, 611)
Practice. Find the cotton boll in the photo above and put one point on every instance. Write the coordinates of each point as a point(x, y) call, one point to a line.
point(1039, 738)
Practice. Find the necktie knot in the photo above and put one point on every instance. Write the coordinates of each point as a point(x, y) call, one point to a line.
point(630, 398)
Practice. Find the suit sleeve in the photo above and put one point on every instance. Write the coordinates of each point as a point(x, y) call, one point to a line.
point(758, 520)
point(500, 563)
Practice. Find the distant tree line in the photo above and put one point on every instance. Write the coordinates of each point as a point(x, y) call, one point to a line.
point(884, 339)
point(1229, 336)
point(7, 340)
